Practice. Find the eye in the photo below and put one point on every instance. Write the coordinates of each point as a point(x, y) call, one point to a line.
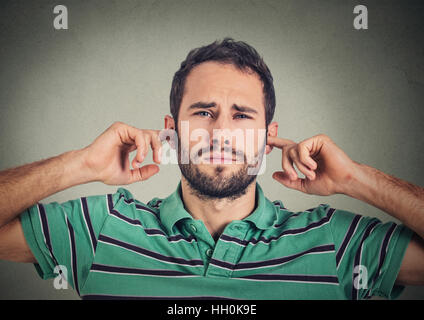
point(203, 114)
point(242, 116)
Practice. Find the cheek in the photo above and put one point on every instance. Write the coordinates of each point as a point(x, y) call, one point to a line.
point(255, 138)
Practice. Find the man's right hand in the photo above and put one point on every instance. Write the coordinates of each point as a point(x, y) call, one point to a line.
point(107, 158)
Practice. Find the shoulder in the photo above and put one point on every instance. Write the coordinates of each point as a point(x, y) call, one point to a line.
point(125, 205)
point(319, 214)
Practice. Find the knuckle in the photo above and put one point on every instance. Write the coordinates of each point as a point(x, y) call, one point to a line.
point(292, 152)
point(303, 146)
point(117, 124)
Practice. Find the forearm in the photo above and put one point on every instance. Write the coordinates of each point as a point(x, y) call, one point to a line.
point(399, 198)
point(23, 186)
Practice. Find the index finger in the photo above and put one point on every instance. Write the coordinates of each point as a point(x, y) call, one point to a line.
point(278, 142)
point(155, 143)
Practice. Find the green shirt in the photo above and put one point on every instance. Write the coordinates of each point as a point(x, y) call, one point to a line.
point(113, 246)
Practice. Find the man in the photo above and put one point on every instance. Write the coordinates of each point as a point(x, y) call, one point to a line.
point(217, 235)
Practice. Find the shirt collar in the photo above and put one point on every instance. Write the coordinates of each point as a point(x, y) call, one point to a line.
point(172, 210)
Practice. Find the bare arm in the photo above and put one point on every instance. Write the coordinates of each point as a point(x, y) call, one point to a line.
point(24, 186)
point(399, 198)
point(328, 170)
point(402, 200)
point(105, 160)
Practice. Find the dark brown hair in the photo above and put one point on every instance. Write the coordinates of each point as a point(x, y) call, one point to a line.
point(237, 53)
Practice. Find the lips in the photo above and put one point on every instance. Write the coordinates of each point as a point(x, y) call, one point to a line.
point(221, 158)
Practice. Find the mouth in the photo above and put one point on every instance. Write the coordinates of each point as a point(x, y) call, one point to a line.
point(218, 158)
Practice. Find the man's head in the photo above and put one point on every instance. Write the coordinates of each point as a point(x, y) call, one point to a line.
point(236, 53)
point(222, 86)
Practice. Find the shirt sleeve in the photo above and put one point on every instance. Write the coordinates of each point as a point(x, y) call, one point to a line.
point(63, 236)
point(369, 254)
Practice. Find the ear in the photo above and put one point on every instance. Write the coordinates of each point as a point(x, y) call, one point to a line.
point(168, 133)
point(169, 122)
point(272, 132)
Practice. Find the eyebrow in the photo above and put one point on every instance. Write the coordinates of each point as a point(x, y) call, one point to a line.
point(208, 105)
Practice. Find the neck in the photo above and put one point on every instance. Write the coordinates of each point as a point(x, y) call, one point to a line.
point(217, 213)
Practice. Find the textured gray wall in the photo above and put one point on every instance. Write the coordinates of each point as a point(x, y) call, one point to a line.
point(61, 89)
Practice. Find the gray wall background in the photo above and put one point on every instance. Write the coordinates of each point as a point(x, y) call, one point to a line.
point(60, 89)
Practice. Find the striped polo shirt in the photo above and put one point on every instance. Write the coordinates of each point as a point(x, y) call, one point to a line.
point(116, 247)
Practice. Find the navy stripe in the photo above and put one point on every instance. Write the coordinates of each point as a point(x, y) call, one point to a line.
point(73, 255)
point(293, 278)
point(236, 240)
point(140, 206)
point(156, 205)
point(383, 250)
point(137, 271)
point(46, 232)
point(88, 221)
point(284, 222)
point(115, 297)
point(178, 237)
point(297, 214)
point(357, 260)
point(119, 215)
point(279, 205)
point(149, 253)
point(150, 232)
point(347, 239)
point(384, 246)
point(272, 262)
point(125, 218)
point(284, 233)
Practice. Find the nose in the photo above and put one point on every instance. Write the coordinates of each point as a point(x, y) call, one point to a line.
point(223, 124)
point(216, 141)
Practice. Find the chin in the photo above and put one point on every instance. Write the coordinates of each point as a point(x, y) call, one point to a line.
point(215, 169)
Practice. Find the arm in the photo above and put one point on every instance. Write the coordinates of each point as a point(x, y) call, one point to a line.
point(105, 160)
point(24, 186)
point(397, 197)
point(400, 199)
point(328, 170)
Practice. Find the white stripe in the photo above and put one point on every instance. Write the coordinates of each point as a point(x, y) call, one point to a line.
point(347, 245)
point(269, 266)
point(268, 242)
point(145, 275)
point(42, 227)
point(297, 281)
point(44, 232)
point(388, 244)
point(140, 209)
point(152, 235)
point(86, 224)
point(360, 255)
point(70, 251)
point(150, 257)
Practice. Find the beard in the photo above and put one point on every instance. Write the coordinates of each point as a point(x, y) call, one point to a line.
point(218, 185)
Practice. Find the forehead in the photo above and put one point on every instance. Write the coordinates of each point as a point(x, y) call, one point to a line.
point(223, 83)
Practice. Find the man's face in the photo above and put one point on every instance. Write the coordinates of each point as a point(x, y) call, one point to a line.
point(218, 98)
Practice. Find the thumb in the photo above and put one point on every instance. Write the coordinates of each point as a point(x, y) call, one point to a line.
point(284, 179)
point(143, 173)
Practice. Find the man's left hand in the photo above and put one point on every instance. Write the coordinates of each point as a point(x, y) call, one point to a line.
point(327, 169)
